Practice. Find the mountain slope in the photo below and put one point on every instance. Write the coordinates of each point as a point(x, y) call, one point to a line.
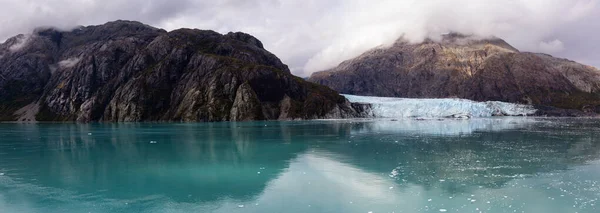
point(128, 71)
point(480, 69)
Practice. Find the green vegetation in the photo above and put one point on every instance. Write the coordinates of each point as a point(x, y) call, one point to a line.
point(577, 100)
point(45, 114)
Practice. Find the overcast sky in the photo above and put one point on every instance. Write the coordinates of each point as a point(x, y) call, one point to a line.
point(312, 35)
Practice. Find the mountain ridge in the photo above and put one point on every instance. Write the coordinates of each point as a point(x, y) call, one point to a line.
point(480, 69)
point(129, 71)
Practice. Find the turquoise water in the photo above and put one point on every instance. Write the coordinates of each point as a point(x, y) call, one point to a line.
point(478, 165)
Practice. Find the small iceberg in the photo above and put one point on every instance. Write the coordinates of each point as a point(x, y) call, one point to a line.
point(439, 108)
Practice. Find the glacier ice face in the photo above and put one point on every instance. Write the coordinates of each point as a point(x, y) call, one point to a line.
point(436, 108)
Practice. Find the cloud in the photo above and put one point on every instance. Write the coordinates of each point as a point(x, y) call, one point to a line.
point(20, 42)
point(312, 35)
point(68, 63)
point(552, 46)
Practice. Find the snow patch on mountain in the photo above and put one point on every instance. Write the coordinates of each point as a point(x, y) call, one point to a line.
point(437, 108)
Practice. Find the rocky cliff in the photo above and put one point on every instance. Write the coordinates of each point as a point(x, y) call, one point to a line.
point(480, 69)
point(128, 71)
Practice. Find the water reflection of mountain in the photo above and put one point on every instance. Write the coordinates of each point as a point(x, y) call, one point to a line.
point(188, 162)
point(215, 161)
point(490, 156)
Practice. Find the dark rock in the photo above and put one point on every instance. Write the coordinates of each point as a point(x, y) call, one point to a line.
point(128, 71)
point(247, 107)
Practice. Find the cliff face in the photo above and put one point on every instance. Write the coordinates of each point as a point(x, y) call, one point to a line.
point(470, 68)
point(128, 71)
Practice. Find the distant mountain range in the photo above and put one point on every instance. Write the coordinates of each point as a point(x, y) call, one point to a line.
point(480, 69)
point(128, 71)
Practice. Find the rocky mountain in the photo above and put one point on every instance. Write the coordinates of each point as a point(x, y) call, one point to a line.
point(128, 71)
point(480, 69)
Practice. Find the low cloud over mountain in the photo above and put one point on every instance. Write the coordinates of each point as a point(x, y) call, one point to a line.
point(313, 35)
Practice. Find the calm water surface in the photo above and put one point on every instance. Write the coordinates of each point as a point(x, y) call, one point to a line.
point(478, 165)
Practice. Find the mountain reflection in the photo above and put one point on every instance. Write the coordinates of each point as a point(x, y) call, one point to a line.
point(248, 162)
point(187, 162)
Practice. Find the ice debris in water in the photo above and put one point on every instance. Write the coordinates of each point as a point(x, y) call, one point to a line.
point(443, 210)
point(1, 174)
point(89, 133)
point(153, 142)
point(240, 206)
point(394, 173)
point(436, 108)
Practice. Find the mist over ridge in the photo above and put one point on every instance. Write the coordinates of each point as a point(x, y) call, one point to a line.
point(316, 35)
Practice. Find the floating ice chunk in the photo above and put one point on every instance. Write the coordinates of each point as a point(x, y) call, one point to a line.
point(153, 142)
point(1, 174)
point(436, 108)
point(391, 187)
point(443, 210)
point(394, 173)
point(429, 200)
point(240, 206)
point(89, 133)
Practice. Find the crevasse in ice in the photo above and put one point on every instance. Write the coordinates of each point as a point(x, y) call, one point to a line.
point(435, 108)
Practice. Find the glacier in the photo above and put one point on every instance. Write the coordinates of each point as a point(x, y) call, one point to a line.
point(383, 107)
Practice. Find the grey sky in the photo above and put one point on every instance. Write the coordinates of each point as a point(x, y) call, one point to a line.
point(312, 35)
